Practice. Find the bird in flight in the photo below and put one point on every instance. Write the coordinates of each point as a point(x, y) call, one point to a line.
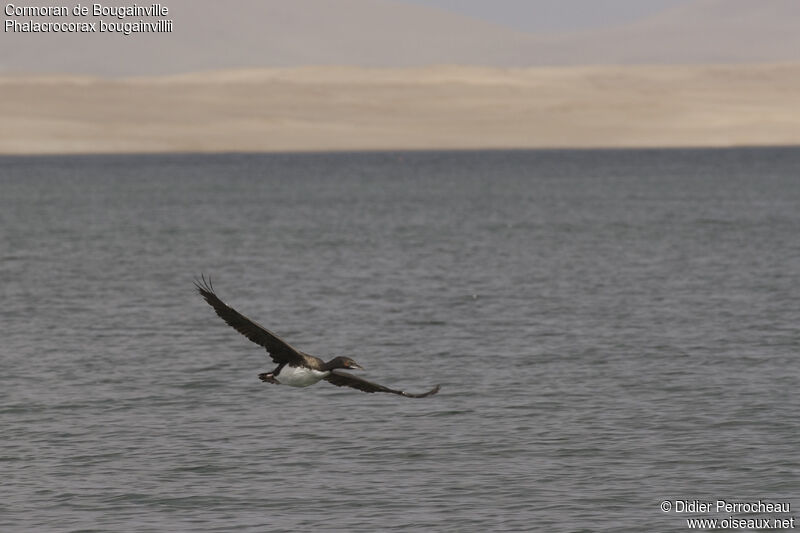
point(295, 368)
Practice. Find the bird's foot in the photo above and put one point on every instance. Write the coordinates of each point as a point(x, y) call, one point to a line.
point(268, 377)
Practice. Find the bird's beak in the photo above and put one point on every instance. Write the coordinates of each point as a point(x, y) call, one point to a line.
point(357, 366)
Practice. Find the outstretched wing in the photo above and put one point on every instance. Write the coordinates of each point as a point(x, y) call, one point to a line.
point(343, 379)
point(278, 349)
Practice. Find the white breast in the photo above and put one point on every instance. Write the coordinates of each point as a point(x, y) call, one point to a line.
point(299, 376)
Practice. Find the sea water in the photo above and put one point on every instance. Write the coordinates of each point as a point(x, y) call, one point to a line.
point(612, 330)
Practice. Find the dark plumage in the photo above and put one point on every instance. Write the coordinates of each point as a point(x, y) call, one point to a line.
point(294, 368)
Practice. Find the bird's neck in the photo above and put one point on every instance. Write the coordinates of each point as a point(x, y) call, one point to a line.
point(333, 364)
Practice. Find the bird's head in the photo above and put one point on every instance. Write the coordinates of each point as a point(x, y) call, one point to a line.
point(345, 362)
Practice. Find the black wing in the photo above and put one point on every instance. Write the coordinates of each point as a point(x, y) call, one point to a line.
point(343, 379)
point(278, 349)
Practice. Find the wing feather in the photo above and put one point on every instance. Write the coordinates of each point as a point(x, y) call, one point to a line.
point(279, 350)
point(343, 379)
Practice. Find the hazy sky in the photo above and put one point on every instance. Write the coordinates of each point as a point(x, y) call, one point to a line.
point(553, 15)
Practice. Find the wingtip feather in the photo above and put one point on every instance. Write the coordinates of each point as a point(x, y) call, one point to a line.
point(424, 394)
point(204, 285)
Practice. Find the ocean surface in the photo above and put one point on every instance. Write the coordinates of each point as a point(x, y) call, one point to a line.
point(611, 330)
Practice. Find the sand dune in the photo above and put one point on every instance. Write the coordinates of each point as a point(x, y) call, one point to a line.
point(349, 108)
